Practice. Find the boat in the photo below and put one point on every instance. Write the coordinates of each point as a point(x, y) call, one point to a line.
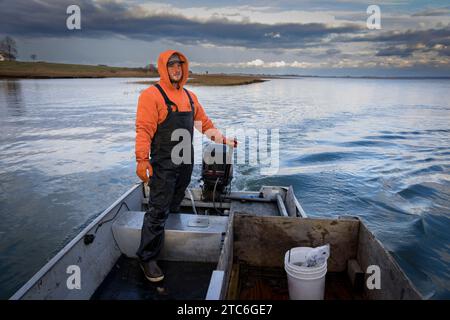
point(224, 245)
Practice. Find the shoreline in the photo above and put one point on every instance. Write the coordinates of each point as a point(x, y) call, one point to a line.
point(213, 80)
point(46, 70)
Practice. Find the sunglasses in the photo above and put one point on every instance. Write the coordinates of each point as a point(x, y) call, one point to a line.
point(171, 64)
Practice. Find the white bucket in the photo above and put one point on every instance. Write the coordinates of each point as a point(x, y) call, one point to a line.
point(305, 283)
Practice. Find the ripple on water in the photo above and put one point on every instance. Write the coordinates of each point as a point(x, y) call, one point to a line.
point(331, 157)
point(345, 151)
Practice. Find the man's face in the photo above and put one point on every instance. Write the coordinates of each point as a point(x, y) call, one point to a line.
point(175, 71)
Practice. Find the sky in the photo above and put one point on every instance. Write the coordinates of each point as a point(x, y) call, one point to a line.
point(310, 37)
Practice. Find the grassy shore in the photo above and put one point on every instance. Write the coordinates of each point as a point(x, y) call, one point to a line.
point(47, 70)
point(216, 80)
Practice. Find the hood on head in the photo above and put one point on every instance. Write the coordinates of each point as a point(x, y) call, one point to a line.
point(162, 67)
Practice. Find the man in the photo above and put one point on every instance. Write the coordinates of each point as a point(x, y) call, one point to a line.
point(163, 108)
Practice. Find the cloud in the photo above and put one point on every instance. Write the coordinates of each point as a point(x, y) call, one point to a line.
point(444, 52)
point(395, 51)
point(282, 35)
point(444, 11)
point(333, 51)
point(273, 35)
point(259, 63)
point(276, 64)
point(255, 63)
point(431, 36)
point(406, 43)
point(103, 19)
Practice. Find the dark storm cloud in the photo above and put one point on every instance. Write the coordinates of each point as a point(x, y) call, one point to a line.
point(333, 51)
point(48, 19)
point(394, 51)
point(443, 51)
point(404, 44)
point(431, 36)
point(445, 11)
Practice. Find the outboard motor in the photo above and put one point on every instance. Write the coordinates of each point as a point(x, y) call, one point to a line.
point(217, 171)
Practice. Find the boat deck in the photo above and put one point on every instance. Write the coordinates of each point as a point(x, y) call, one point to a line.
point(190, 280)
point(239, 252)
point(256, 283)
point(183, 280)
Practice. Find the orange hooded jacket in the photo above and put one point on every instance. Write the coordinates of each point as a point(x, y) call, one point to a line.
point(152, 110)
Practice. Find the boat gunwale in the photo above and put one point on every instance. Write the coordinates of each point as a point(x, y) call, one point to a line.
point(20, 293)
point(52, 262)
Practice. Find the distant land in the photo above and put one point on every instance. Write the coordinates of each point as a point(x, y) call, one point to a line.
point(49, 70)
point(215, 80)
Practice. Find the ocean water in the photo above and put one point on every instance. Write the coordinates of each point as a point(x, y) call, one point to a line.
point(377, 149)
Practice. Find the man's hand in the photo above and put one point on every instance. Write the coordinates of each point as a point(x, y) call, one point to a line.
point(141, 170)
point(232, 142)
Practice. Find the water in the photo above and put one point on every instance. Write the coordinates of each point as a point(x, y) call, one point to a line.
point(378, 149)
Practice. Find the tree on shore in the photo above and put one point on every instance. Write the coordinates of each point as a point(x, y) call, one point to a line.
point(33, 57)
point(151, 68)
point(8, 45)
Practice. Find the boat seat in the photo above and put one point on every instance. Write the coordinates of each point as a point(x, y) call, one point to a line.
point(188, 237)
